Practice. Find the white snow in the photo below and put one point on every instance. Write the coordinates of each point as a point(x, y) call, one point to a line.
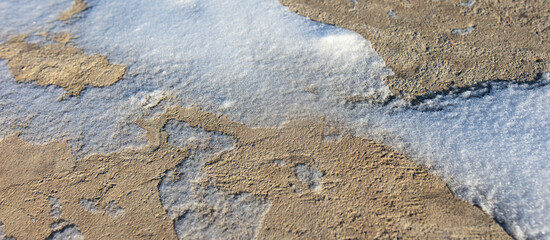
point(2, 236)
point(89, 205)
point(260, 64)
point(463, 31)
point(310, 176)
point(55, 208)
point(22, 16)
point(113, 210)
point(205, 212)
point(69, 232)
point(493, 150)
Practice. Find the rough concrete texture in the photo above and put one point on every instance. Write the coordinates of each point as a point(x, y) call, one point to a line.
point(436, 45)
point(58, 64)
point(350, 188)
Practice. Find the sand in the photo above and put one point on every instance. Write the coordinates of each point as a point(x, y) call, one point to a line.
point(433, 46)
point(111, 196)
point(322, 183)
point(77, 7)
point(325, 187)
point(58, 64)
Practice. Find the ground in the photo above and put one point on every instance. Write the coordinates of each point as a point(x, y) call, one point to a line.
point(321, 181)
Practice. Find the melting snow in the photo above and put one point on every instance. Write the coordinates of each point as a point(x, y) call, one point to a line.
point(255, 61)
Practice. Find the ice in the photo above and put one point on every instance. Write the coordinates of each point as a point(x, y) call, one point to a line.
point(260, 64)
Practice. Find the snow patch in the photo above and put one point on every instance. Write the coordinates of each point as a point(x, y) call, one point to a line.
point(2, 235)
point(463, 31)
point(258, 61)
point(69, 232)
point(89, 205)
point(22, 16)
point(55, 209)
point(113, 210)
point(310, 176)
point(205, 212)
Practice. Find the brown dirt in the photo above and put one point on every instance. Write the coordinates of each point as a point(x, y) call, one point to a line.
point(366, 189)
point(58, 64)
point(77, 7)
point(510, 39)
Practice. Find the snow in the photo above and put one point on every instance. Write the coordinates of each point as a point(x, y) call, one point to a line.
point(493, 150)
point(463, 31)
point(21, 16)
point(260, 64)
point(2, 236)
point(205, 212)
point(67, 233)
